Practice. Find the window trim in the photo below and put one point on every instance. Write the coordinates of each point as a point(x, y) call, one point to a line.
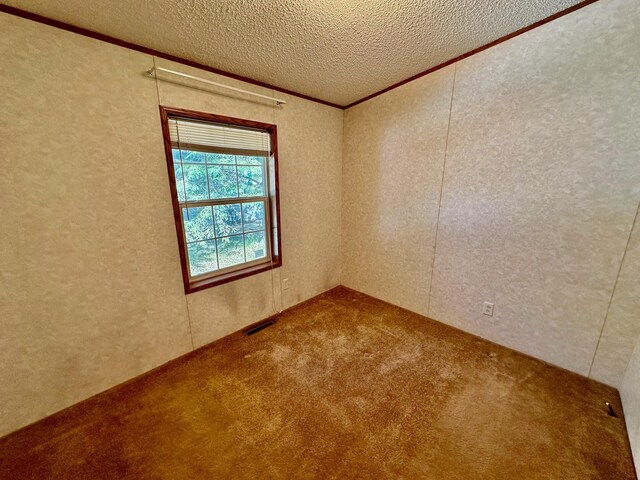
point(273, 201)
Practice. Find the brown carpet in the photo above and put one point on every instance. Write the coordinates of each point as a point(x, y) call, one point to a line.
point(343, 386)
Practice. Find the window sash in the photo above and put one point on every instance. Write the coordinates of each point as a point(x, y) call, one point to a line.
point(227, 201)
point(240, 266)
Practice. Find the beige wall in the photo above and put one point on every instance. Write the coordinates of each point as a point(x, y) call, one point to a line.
point(622, 327)
point(541, 185)
point(630, 395)
point(624, 321)
point(394, 149)
point(90, 282)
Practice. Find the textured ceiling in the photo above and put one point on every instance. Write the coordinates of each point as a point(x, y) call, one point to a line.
point(335, 50)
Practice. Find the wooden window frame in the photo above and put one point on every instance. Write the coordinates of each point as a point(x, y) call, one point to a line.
point(273, 203)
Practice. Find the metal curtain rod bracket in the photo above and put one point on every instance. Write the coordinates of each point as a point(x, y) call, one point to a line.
point(152, 73)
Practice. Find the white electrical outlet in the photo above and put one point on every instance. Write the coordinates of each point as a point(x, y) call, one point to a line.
point(487, 309)
point(285, 284)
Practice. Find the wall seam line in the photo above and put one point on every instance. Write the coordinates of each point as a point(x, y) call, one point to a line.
point(635, 222)
point(186, 302)
point(342, 189)
point(613, 291)
point(444, 166)
point(186, 299)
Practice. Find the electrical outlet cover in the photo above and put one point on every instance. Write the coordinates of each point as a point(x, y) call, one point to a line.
point(487, 309)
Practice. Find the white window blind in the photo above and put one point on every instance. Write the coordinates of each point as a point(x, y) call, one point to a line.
point(216, 138)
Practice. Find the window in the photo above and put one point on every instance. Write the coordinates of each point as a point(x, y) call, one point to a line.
point(223, 174)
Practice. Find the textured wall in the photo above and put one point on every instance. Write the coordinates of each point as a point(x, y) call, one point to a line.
point(621, 330)
point(622, 327)
point(630, 395)
point(541, 185)
point(90, 282)
point(394, 153)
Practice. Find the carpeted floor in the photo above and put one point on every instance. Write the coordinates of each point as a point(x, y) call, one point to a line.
point(343, 386)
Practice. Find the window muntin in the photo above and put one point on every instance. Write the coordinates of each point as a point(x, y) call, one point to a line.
point(225, 191)
point(223, 202)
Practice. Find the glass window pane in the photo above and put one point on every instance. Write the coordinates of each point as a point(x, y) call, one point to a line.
point(198, 223)
point(250, 181)
point(189, 156)
point(253, 214)
point(255, 246)
point(230, 251)
point(221, 159)
point(242, 160)
point(195, 179)
point(228, 219)
point(202, 257)
point(177, 170)
point(223, 181)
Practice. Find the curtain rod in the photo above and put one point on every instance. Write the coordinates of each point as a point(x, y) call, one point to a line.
point(152, 73)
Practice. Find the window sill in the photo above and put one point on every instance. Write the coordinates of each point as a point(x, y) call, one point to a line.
point(205, 283)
